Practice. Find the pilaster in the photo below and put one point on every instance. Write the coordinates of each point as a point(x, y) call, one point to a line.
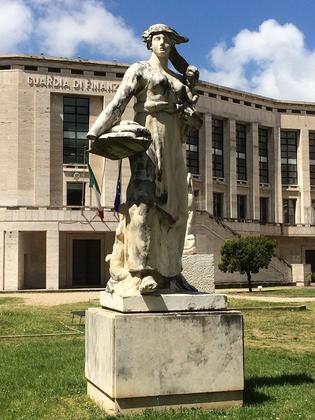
point(11, 263)
point(2, 260)
point(303, 167)
point(253, 172)
point(52, 259)
point(42, 148)
point(274, 152)
point(207, 141)
point(230, 167)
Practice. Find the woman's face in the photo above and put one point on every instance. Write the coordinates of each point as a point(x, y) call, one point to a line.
point(161, 45)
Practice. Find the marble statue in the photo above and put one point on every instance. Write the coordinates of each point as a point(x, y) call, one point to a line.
point(150, 237)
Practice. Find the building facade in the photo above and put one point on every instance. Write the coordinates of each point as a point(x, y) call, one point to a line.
point(253, 164)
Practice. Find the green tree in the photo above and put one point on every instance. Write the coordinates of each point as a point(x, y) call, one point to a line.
point(248, 254)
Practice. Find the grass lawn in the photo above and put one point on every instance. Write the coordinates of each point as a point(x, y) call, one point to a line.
point(288, 292)
point(43, 378)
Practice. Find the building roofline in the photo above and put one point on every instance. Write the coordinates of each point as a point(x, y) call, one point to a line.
point(251, 95)
point(65, 60)
point(121, 65)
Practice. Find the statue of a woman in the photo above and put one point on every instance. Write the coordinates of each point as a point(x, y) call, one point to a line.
point(150, 237)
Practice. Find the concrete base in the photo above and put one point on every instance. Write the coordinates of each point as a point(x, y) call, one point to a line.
point(164, 302)
point(164, 402)
point(136, 361)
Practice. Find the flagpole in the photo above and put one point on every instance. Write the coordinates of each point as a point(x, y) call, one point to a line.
point(83, 183)
point(118, 188)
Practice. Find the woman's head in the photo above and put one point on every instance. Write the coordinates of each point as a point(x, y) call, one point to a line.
point(172, 36)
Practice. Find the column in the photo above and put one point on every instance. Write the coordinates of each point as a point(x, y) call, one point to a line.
point(206, 136)
point(275, 175)
point(303, 167)
point(1, 260)
point(253, 172)
point(52, 260)
point(42, 148)
point(230, 167)
point(11, 260)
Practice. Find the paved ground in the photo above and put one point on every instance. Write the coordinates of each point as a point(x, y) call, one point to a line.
point(58, 298)
point(55, 298)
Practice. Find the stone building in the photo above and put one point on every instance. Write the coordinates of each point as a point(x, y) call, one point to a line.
point(253, 163)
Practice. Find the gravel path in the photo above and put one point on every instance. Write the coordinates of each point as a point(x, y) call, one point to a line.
point(54, 298)
point(272, 298)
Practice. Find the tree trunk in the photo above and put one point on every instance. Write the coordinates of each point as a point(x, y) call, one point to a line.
point(249, 281)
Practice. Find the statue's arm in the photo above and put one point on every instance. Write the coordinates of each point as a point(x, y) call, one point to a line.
point(112, 113)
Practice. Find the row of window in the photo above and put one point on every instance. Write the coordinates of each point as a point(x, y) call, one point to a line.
point(289, 141)
point(218, 207)
point(289, 206)
point(76, 125)
point(241, 157)
point(76, 197)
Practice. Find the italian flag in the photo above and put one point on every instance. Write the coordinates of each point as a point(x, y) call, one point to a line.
point(96, 191)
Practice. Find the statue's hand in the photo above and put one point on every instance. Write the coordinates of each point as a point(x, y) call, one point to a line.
point(91, 136)
point(188, 112)
point(191, 118)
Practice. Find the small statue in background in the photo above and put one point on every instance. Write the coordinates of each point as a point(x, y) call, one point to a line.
point(190, 239)
point(191, 79)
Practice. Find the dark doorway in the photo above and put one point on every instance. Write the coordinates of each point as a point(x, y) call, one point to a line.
point(241, 207)
point(263, 210)
point(86, 263)
point(310, 258)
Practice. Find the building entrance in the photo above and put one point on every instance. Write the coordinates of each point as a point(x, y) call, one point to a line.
point(310, 258)
point(86, 263)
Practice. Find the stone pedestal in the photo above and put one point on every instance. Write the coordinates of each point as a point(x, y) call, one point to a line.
point(198, 270)
point(158, 360)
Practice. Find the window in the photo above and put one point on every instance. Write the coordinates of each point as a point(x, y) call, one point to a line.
point(312, 157)
point(192, 153)
point(313, 213)
point(289, 157)
point(31, 68)
point(263, 210)
point(263, 155)
point(241, 152)
point(217, 149)
point(289, 211)
point(77, 71)
point(54, 70)
point(75, 193)
point(75, 128)
point(241, 207)
point(218, 205)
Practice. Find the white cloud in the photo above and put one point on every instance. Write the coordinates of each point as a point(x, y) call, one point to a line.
point(272, 61)
point(63, 27)
point(15, 24)
point(66, 25)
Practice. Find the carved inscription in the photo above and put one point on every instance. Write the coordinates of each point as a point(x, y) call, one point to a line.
point(63, 83)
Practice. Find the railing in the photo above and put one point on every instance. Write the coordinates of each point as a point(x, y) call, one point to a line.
point(71, 207)
point(220, 222)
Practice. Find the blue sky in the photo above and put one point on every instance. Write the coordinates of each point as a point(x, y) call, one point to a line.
point(265, 46)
